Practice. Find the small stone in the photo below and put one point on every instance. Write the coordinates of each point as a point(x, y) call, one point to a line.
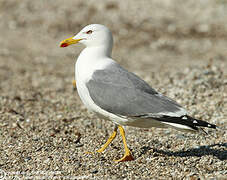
point(94, 171)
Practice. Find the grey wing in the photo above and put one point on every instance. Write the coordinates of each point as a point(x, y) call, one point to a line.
point(118, 91)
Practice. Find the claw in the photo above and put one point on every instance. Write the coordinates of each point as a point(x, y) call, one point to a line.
point(126, 157)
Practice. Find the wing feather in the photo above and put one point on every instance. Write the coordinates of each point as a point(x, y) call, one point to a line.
point(118, 91)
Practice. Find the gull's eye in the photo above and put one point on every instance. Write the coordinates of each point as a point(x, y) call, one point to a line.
point(89, 32)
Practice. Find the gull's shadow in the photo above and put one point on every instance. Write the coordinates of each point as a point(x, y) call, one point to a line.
point(221, 154)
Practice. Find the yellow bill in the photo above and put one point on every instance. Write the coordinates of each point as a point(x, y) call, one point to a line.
point(69, 41)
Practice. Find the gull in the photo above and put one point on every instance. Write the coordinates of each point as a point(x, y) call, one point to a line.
point(120, 96)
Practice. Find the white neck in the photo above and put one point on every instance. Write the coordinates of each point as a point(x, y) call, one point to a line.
point(98, 51)
point(91, 59)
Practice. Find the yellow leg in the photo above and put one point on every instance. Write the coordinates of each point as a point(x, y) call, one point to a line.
point(111, 138)
point(127, 156)
point(74, 84)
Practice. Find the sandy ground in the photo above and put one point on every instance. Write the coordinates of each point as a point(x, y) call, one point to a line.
point(179, 47)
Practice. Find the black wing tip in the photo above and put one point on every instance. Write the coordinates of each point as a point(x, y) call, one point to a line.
point(186, 120)
point(212, 126)
point(200, 123)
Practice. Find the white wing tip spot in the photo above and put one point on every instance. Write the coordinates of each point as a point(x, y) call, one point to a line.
point(208, 125)
point(195, 122)
point(184, 117)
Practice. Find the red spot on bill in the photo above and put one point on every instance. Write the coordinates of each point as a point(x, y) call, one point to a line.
point(64, 45)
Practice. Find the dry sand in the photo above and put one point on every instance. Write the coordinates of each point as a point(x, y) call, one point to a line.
point(179, 47)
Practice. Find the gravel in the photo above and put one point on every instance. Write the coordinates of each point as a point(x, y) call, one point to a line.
point(177, 47)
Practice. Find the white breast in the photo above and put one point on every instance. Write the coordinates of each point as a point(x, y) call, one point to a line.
point(85, 67)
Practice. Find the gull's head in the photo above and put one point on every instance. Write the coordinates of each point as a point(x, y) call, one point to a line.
point(91, 35)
